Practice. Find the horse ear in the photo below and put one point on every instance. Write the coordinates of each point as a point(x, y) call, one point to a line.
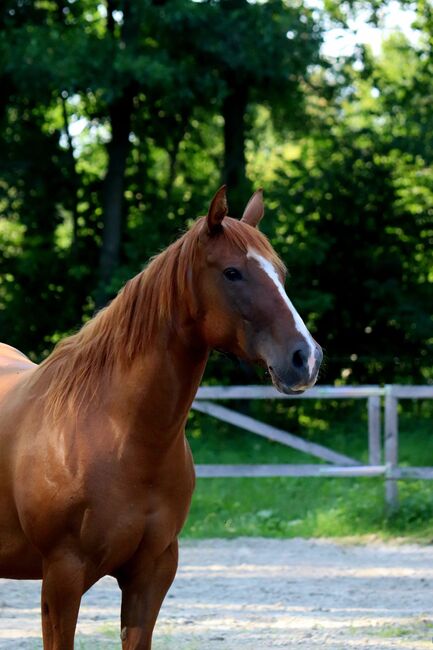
point(255, 209)
point(217, 211)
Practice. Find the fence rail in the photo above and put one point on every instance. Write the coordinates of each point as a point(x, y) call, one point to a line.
point(269, 392)
point(340, 464)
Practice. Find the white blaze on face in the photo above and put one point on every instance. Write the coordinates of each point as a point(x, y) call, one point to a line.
point(270, 271)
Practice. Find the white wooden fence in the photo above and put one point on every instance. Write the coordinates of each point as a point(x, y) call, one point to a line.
point(339, 465)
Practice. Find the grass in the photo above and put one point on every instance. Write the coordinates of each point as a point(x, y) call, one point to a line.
point(393, 632)
point(108, 636)
point(420, 629)
point(308, 507)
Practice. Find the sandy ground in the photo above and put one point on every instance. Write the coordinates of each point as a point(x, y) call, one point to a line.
point(260, 593)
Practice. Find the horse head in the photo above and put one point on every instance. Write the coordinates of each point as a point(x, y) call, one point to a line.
point(242, 306)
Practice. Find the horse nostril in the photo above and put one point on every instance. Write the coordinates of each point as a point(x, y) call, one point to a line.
point(299, 359)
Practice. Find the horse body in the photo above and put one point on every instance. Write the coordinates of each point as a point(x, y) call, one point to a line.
point(109, 491)
point(96, 475)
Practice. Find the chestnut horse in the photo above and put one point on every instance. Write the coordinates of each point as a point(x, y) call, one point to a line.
point(96, 475)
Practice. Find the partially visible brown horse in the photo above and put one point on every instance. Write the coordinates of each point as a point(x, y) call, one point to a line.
point(96, 475)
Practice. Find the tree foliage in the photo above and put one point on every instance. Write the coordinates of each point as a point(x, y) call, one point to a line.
point(119, 120)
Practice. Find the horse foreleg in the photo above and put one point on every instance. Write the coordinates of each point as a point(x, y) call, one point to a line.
point(62, 587)
point(144, 587)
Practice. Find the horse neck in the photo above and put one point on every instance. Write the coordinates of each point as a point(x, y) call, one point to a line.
point(151, 398)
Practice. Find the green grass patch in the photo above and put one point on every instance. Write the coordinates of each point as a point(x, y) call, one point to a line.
point(109, 631)
point(108, 636)
point(394, 632)
point(308, 507)
point(420, 629)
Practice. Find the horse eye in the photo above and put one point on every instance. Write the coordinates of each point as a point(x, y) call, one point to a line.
point(232, 274)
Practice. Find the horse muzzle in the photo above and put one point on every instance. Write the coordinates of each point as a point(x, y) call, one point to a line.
point(300, 372)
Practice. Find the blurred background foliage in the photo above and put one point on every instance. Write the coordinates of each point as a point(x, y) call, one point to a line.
point(119, 120)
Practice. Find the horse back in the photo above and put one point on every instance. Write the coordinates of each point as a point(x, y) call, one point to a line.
point(12, 364)
point(11, 357)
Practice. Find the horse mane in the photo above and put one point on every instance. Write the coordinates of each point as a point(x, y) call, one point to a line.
point(130, 323)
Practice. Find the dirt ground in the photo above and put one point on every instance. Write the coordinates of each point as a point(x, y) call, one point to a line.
point(261, 593)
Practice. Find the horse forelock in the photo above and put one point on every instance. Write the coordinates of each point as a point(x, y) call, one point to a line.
point(131, 322)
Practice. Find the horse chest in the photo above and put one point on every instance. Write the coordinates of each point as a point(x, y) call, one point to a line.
point(136, 510)
point(113, 535)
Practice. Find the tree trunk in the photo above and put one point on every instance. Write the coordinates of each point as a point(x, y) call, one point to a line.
point(234, 174)
point(74, 175)
point(112, 199)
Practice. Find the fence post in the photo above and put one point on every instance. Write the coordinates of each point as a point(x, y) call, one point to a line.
point(374, 428)
point(391, 449)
